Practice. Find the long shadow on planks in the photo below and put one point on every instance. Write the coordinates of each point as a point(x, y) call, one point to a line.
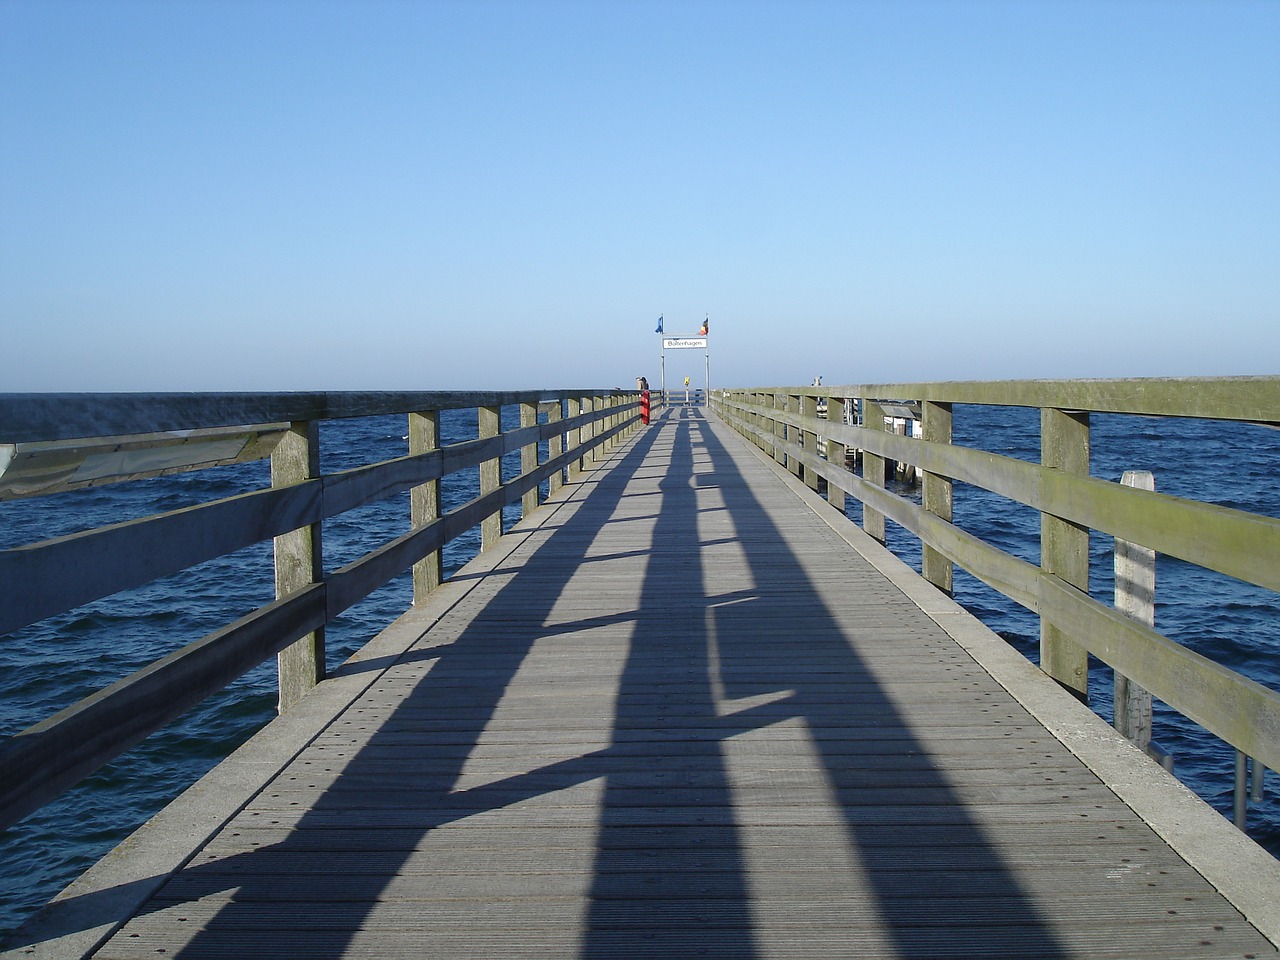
point(454, 703)
point(728, 667)
point(756, 665)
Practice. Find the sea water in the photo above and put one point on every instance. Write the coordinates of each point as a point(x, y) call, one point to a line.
point(50, 665)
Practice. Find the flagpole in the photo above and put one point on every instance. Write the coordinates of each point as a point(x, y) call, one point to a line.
point(662, 363)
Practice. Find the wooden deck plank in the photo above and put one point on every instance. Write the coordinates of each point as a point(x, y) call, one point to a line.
point(684, 718)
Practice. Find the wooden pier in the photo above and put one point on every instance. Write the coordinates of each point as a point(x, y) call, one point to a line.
point(682, 710)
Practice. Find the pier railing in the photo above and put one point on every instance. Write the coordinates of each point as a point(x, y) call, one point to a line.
point(51, 443)
point(786, 423)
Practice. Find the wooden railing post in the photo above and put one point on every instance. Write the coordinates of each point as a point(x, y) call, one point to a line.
point(795, 436)
point(298, 562)
point(590, 405)
point(778, 428)
point(1064, 546)
point(604, 404)
point(529, 456)
point(555, 446)
point(490, 422)
point(424, 502)
point(936, 493)
point(872, 469)
point(1135, 597)
point(809, 410)
point(575, 439)
point(835, 451)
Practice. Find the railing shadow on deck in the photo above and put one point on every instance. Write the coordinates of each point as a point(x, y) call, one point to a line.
point(659, 648)
point(737, 662)
point(52, 443)
point(819, 433)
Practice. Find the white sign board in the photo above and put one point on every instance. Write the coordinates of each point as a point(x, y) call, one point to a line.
point(684, 343)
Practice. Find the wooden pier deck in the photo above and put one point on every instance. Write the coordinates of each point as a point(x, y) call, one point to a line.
point(678, 713)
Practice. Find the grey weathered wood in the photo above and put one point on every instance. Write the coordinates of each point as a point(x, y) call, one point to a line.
point(1206, 534)
point(1250, 399)
point(49, 577)
point(39, 580)
point(936, 493)
point(575, 434)
point(43, 579)
point(52, 416)
point(490, 476)
point(555, 445)
point(1135, 596)
point(809, 410)
point(43, 761)
point(772, 412)
point(835, 451)
point(796, 436)
point(616, 743)
point(1238, 710)
point(424, 502)
point(873, 467)
point(44, 467)
point(591, 406)
point(1064, 546)
point(298, 562)
point(529, 457)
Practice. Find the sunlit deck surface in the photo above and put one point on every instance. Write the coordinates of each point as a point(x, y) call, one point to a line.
point(677, 714)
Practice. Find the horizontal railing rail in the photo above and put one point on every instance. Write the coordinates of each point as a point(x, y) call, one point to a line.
point(46, 578)
point(785, 422)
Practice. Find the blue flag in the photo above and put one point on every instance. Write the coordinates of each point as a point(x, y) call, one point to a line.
point(659, 330)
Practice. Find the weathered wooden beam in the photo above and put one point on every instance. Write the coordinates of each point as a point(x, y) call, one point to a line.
point(835, 451)
point(44, 467)
point(43, 579)
point(936, 493)
point(1064, 546)
point(529, 457)
point(795, 435)
point(298, 562)
point(575, 434)
point(424, 502)
point(1248, 399)
point(490, 421)
point(873, 468)
point(1211, 536)
point(778, 406)
point(555, 444)
point(65, 416)
point(43, 761)
point(809, 411)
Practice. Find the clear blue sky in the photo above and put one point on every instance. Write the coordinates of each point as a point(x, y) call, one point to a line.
point(349, 195)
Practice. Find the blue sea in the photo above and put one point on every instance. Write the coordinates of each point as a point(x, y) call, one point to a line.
point(50, 665)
